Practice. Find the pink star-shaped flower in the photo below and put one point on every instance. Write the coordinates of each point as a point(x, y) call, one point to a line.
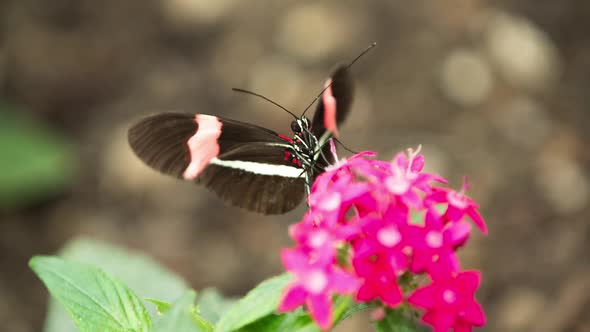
point(433, 244)
point(315, 235)
point(459, 205)
point(450, 302)
point(332, 196)
point(316, 279)
point(406, 178)
point(378, 259)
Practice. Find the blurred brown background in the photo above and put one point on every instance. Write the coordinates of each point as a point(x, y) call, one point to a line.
point(495, 90)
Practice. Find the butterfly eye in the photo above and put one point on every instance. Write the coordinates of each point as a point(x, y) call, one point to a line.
point(295, 127)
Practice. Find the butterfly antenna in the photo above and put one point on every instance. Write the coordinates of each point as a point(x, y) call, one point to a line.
point(321, 151)
point(329, 85)
point(373, 44)
point(344, 146)
point(267, 99)
point(326, 160)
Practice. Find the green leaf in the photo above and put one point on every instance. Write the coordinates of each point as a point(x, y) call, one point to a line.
point(212, 305)
point(297, 321)
point(345, 307)
point(162, 306)
point(258, 303)
point(300, 321)
point(396, 321)
point(202, 323)
point(95, 300)
point(182, 317)
point(36, 162)
point(143, 275)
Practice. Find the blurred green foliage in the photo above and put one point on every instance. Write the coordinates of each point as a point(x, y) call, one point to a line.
point(257, 304)
point(143, 275)
point(182, 317)
point(95, 300)
point(35, 161)
point(212, 305)
point(395, 320)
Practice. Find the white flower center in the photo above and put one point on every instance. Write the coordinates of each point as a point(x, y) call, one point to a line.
point(330, 202)
point(315, 281)
point(318, 238)
point(389, 236)
point(449, 296)
point(434, 239)
point(457, 200)
point(397, 185)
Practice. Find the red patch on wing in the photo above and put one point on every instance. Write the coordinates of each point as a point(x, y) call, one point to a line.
point(288, 139)
point(330, 109)
point(203, 145)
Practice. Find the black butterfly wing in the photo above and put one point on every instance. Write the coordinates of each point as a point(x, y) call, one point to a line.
point(256, 177)
point(250, 170)
point(160, 141)
point(342, 89)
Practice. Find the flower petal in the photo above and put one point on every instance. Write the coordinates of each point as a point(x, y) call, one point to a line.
point(400, 161)
point(294, 259)
point(366, 292)
point(420, 260)
point(462, 326)
point(320, 308)
point(391, 295)
point(412, 199)
point(342, 282)
point(469, 280)
point(417, 163)
point(477, 219)
point(453, 213)
point(398, 262)
point(293, 297)
point(424, 297)
point(432, 219)
point(441, 320)
point(474, 314)
point(458, 233)
point(438, 196)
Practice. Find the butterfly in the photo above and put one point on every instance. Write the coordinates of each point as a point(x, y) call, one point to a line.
point(245, 164)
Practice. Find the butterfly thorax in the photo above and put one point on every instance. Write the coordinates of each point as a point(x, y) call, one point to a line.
point(304, 146)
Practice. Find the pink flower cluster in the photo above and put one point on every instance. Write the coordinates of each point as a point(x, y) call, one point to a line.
point(372, 221)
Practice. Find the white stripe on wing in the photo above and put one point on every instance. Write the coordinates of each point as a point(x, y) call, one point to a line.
point(260, 168)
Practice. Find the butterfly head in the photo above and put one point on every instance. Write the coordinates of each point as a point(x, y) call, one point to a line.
point(300, 125)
